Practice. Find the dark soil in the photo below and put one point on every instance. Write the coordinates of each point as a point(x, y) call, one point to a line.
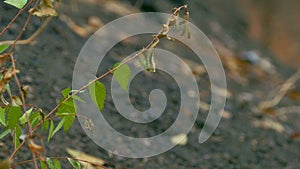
point(47, 65)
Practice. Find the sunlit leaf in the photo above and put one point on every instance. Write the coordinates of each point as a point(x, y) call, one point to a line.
point(3, 48)
point(50, 163)
point(75, 164)
point(13, 117)
point(67, 110)
point(23, 118)
point(2, 116)
point(122, 75)
point(56, 164)
point(98, 93)
point(58, 127)
point(43, 165)
point(16, 3)
point(51, 130)
point(4, 133)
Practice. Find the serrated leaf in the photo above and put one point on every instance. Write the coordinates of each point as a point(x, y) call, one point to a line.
point(13, 117)
point(3, 48)
point(23, 118)
point(56, 164)
point(4, 133)
point(68, 122)
point(67, 110)
point(122, 75)
point(75, 164)
point(65, 92)
point(16, 3)
point(98, 93)
point(50, 130)
point(2, 116)
point(50, 163)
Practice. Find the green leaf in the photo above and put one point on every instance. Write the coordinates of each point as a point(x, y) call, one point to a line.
point(3, 48)
point(67, 110)
point(59, 126)
point(45, 125)
point(2, 116)
point(13, 117)
point(4, 133)
point(50, 130)
point(68, 122)
point(50, 163)
point(23, 119)
point(16, 3)
point(65, 92)
point(98, 93)
point(17, 135)
point(122, 75)
point(43, 165)
point(53, 131)
point(75, 164)
point(56, 163)
point(35, 118)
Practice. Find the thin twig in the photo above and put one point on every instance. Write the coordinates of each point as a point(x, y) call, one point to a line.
point(62, 158)
point(284, 88)
point(16, 16)
point(31, 38)
point(155, 38)
point(161, 34)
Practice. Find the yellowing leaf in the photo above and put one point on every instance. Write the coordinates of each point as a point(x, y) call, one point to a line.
point(98, 93)
point(122, 75)
point(5, 164)
point(45, 12)
point(82, 156)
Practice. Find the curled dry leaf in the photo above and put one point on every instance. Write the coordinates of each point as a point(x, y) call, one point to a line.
point(268, 123)
point(6, 78)
point(35, 148)
point(44, 9)
point(3, 58)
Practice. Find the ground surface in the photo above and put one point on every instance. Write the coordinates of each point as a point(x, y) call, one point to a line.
point(47, 66)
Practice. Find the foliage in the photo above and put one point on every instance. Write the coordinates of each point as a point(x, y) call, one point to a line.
point(16, 116)
point(16, 3)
